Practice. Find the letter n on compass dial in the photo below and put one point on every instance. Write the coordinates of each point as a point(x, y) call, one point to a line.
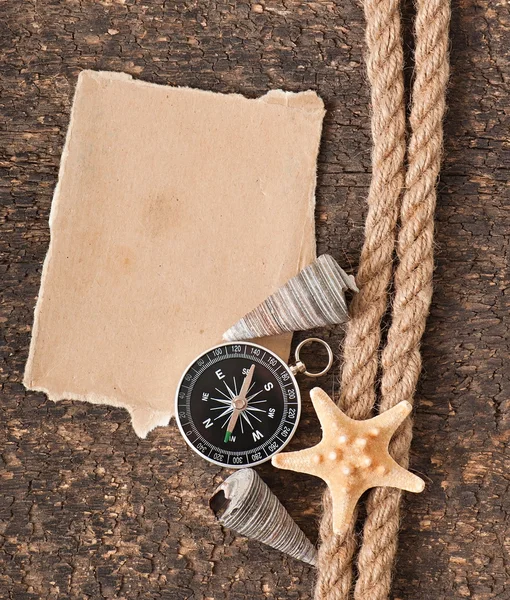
point(237, 405)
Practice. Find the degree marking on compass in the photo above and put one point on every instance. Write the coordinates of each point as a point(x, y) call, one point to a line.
point(253, 358)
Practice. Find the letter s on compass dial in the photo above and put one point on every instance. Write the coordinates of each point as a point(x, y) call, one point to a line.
point(267, 407)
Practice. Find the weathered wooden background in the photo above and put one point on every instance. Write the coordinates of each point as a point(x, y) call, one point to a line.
point(89, 511)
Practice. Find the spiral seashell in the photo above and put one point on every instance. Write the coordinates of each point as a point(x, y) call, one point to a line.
point(313, 298)
point(245, 504)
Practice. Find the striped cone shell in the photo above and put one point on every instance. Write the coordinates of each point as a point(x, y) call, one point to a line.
point(245, 504)
point(313, 298)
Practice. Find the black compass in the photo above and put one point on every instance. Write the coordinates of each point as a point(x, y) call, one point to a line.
point(238, 404)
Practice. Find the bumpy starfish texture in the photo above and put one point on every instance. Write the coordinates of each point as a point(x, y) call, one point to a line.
point(352, 456)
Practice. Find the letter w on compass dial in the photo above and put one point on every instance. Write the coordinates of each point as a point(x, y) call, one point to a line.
point(238, 407)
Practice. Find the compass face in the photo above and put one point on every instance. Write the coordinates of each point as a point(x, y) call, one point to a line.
point(266, 415)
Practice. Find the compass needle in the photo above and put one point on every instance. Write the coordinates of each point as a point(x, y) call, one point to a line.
point(239, 403)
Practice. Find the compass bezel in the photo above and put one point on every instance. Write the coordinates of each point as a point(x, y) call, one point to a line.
point(297, 400)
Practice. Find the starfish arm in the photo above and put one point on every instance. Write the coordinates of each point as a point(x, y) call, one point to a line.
point(402, 479)
point(344, 503)
point(327, 411)
point(300, 461)
point(390, 420)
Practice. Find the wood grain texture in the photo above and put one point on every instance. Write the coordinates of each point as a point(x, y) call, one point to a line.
point(87, 510)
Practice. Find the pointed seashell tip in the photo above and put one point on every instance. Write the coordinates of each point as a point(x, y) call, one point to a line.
point(315, 297)
point(245, 504)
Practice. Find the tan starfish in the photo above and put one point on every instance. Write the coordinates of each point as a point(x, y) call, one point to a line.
point(352, 456)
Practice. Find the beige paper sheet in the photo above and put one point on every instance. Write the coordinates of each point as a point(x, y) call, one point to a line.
point(176, 212)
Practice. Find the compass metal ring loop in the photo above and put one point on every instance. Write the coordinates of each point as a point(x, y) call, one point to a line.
point(328, 349)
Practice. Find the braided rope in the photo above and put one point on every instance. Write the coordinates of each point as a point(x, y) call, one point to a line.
point(385, 66)
point(401, 360)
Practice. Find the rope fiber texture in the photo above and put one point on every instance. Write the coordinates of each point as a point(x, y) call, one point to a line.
point(400, 360)
point(385, 68)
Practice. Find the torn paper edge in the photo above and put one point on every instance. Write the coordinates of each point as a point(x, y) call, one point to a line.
point(142, 423)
